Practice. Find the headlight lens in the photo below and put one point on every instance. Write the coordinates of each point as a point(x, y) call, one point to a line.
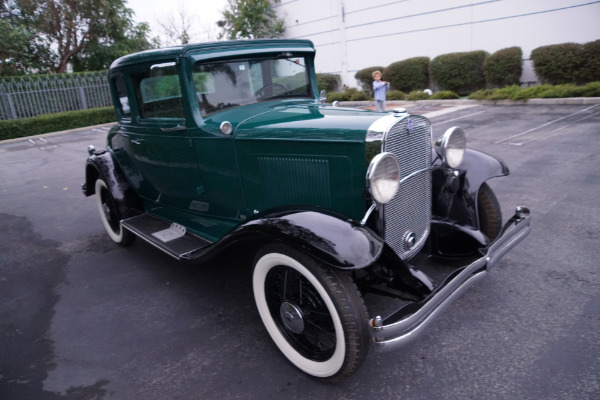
point(383, 177)
point(451, 146)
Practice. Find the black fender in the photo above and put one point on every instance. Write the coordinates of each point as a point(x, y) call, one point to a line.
point(455, 190)
point(332, 239)
point(102, 164)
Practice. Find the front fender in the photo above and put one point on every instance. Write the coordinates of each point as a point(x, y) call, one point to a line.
point(455, 191)
point(102, 165)
point(330, 238)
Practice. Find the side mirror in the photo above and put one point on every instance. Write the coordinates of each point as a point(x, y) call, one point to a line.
point(322, 96)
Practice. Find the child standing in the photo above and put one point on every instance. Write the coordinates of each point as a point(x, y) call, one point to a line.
point(379, 89)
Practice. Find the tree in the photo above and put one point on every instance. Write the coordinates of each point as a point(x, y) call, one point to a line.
point(177, 29)
point(21, 49)
point(99, 53)
point(250, 19)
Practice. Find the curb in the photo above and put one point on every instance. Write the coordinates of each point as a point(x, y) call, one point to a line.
point(533, 102)
point(57, 133)
point(465, 102)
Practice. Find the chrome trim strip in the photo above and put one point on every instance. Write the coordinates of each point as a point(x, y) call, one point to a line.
point(397, 334)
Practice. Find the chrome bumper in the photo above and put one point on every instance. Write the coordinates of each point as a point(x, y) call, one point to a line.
point(405, 325)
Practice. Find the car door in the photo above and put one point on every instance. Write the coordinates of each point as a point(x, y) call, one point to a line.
point(160, 144)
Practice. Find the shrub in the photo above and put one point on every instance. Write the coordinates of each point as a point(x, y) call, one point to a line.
point(515, 92)
point(445, 95)
point(395, 95)
point(328, 82)
point(558, 63)
point(417, 95)
point(349, 94)
point(365, 78)
point(590, 68)
point(15, 128)
point(459, 72)
point(360, 96)
point(504, 67)
point(408, 75)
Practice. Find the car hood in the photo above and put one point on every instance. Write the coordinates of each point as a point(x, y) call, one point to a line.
point(299, 121)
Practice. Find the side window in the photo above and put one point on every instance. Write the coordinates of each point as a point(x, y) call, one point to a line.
point(158, 92)
point(123, 100)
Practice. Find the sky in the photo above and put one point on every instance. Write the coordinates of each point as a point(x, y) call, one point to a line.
point(203, 13)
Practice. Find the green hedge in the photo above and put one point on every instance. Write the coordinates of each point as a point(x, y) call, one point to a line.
point(408, 75)
point(504, 67)
point(349, 94)
point(16, 128)
point(365, 78)
point(445, 95)
point(590, 67)
point(546, 91)
point(328, 82)
point(557, 63)
point(459, 72)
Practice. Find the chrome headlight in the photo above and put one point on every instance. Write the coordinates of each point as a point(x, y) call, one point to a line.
point(383, 177)
point(451, 146)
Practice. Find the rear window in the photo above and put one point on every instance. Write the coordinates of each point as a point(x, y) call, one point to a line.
point(158, 92)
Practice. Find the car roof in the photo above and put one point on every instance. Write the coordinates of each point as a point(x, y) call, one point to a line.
point(213, 47)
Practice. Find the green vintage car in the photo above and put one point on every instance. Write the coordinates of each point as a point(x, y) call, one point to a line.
point(220, 145)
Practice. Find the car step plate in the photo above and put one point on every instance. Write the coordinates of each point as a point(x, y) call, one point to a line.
point(173, 239)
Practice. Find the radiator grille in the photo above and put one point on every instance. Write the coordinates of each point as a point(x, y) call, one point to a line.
point(410, 210)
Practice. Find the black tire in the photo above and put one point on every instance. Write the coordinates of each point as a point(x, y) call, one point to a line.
point(315, 315)
point(110, 215)
point(489, 212)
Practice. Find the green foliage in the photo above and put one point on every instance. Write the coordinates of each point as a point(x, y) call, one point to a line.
point(395, 95)
point(99, 53)
point(558, 63)
point(350, 94)
point(515, 92)
point(15, 128)
point(56, 31)
point(590, 68)
point(445, 95)
point(21, 49)
point(365, 78)
point(250, 19)
point(504, 67)
point(417, 95)
point(67, 79)
point(459, 72)
point(408, 75)
point(328, 82)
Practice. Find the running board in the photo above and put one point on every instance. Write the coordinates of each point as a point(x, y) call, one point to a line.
point(173, 239)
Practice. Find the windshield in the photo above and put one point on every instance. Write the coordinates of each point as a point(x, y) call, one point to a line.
point(223, 85)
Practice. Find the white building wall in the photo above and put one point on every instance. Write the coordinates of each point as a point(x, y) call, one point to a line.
point(353, 34)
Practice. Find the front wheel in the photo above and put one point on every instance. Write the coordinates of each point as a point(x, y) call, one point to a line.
point(315, 316)
point(110, 215)
point(489, 213)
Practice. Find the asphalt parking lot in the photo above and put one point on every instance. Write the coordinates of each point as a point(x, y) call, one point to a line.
point(82, 318)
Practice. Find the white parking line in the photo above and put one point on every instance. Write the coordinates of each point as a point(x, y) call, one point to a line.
point(448, 110)
point(456, 119)
point(508, 139)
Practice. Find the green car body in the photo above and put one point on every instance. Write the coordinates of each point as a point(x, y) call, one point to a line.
point(223, 143)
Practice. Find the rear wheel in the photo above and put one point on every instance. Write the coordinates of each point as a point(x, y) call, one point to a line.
point(315, 316)
point(110, 215)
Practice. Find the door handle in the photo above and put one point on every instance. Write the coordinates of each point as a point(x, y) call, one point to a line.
point(137, 141)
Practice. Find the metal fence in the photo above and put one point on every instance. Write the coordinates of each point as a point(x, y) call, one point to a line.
point(46, 94)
